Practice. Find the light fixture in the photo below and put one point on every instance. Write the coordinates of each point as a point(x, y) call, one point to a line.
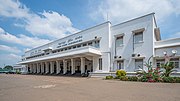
point(174, 51)
point(165, 53)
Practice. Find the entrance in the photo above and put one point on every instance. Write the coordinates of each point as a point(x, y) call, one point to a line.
point(61, 67)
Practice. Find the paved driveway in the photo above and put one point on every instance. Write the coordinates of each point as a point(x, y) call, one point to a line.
point(55, 88)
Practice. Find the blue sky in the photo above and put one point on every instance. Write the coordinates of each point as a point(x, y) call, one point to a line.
point(25, 24)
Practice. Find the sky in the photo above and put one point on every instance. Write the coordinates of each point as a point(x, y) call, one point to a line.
point(25, 24)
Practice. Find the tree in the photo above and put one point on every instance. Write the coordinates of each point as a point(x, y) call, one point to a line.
point(8, 67)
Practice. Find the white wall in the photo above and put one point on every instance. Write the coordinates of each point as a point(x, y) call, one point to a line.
point(101, 31)
point(145, 49)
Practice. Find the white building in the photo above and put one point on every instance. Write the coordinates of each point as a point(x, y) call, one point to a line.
point(20, 68)
point(103, 49)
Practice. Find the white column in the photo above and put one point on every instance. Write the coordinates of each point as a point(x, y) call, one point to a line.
point(57, 67)
point(47, 67)
point(82, 65)
point(64, 67)
point(52, 67)
point(72, 66)
point(95, 63)
point(37, 66)
point(42, 67)
point(31, 69)
point(34, 68)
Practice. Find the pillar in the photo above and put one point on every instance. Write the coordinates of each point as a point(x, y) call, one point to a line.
point(57, 67)
point(47, 67)
point(52, 67)
point(82, 65)
point(42, 67)
point(72, 66)
point(37, 68)
point(34, 68)
point(31, 68)
point(64, 67)
point(95, 63)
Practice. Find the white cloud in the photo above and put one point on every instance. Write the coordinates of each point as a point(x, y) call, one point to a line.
point(13, 8)
point(9, 49)
point(51, 23)
point(22, 39)
point(10, 59)
point(121, 10)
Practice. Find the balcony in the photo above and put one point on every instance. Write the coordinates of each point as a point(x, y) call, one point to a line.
point(81, 51)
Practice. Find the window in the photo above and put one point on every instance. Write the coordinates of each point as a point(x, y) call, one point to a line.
point(74, 47)
point(90, 43)
point(160, 62)
point(120, 65)
point(78, 46)
point(97, 44)
point(100, 63)
point(69, 48)
point(175, 61)
point(119, 41)
point(139, 64)
point(85, 44)
point(138, 37)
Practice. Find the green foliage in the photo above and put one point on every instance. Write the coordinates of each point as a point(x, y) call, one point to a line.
point(171, 79)
point(8, 67)
point(120, 73)
point(168, 66)
point(124, 78)
point(152, 75)
point(18, 72)
point(117, 77)
point(132, 78)
point(109, 77)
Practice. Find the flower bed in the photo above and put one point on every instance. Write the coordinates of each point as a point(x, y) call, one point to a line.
point(152, 75)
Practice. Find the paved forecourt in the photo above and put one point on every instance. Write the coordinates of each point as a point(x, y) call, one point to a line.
point(56, 88)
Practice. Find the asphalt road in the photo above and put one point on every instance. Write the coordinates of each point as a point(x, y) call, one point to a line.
point(55, 88)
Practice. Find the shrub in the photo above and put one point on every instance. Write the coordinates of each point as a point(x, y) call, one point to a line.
point(177, 79)
point(171, 79)
point(168, 66)
point(132, 78)
point(168, 79)
point(152, 75)
point(124, 78)
point(120, 73)
point(117, 77)
point(143, 79)
point(109, 77)
point(18, 72)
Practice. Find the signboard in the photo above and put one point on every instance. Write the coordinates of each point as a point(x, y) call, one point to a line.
point(70, 41)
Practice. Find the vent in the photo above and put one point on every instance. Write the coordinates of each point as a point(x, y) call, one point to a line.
point(133, 55)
